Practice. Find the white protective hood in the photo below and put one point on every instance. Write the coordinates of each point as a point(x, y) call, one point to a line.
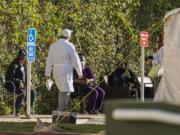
point(169, 87)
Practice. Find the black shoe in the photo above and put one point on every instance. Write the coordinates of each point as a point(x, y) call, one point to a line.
point(90, 112)
point(96, 112)
point(17, 114)
point(99, 111)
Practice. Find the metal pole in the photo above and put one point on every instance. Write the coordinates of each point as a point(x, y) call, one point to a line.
point(28, 89)
point(142, 74)
point(14, 106)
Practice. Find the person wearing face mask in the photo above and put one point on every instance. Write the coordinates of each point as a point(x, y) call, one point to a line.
point(95, 99)
point(16, 72)
point(62, 58)
point(156, 60)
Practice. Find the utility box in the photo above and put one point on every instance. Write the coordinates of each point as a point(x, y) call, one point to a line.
point(64, 117)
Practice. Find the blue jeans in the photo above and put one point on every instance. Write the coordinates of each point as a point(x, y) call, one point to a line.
point(21, 94)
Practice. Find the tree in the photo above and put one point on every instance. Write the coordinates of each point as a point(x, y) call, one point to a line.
point(105, 30)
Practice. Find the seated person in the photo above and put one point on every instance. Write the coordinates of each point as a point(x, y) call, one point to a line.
point(96, 97)
point(124, 77)
point(16, 72)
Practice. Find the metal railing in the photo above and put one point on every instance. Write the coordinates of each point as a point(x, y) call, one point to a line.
point(14, 92)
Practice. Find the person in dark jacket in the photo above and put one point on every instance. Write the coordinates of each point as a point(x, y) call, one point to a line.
point(16, 72)
point(123, 76)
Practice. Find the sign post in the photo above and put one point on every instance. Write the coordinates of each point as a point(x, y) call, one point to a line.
point(143, 43)
point(31, 44)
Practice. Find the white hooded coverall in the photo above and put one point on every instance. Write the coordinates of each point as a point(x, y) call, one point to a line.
point(62, 57)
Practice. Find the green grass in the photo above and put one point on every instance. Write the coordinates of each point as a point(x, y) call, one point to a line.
point(18, 127)
point(82, 128)
point(28, 127)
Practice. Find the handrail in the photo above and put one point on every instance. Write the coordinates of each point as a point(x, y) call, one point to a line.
point(14, 94)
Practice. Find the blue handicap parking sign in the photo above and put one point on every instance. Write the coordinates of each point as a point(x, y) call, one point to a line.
point(31, 48)
point(31, 35)
point(30, 59)
point(30, 54)
point(31, 44)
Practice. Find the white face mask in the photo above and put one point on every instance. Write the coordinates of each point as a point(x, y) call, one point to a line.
point(68, 38)
point(22, 69)
point(83, 63)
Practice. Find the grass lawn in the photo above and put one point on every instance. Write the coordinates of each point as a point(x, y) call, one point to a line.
point(28, 127)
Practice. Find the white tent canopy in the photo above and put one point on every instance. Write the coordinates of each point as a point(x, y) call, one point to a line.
point(169, 87)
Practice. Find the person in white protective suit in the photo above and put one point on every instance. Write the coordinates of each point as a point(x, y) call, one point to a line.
point(62, 58)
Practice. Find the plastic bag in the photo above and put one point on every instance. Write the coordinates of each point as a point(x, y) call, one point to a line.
point(160, 72)
point(154, 71)
point(49, 84)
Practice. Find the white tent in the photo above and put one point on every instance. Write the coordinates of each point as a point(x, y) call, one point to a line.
point(169, 87)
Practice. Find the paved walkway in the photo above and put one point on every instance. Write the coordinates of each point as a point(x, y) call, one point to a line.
point(81, 119)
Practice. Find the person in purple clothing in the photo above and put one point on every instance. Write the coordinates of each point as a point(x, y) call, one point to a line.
point(95, 99)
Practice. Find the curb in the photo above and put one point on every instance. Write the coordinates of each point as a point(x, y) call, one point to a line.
point(42, 133)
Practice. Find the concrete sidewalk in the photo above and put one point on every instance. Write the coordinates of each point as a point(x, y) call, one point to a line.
point(81, 119)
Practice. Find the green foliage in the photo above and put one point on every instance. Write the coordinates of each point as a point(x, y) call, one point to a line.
point(46, 100)
point(4, 109)
point(105, 30)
